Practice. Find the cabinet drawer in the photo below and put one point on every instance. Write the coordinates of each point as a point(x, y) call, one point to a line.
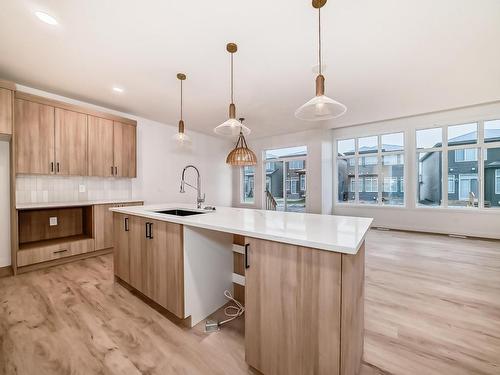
point(51, 251)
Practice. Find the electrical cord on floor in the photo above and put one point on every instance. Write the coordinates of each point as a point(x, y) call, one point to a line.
point(232, 312)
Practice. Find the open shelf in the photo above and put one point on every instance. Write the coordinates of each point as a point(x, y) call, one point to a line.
point(53, 242)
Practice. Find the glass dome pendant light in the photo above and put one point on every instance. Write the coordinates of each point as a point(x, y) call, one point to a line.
point(321, 107)
point(232, 126)
point(181, 136)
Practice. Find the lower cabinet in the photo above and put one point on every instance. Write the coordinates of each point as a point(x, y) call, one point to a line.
point(149, 257)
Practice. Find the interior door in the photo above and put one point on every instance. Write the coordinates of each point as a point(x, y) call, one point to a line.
point(34, 124)
point(70, 143)
point(100, 147)
point(124, 142)
point(121, 259)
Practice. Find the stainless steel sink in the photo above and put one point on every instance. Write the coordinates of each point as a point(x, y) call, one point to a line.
point(179, 212)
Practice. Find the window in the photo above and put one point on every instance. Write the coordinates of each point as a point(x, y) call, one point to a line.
point(371, 184)
point(451, 184)
point(248, 178)
point(467, 154)
point(429, 138)
point(373, 159)
point(368, 145)
point(390, 184)
point(497, 181)
point(491, 177)
point(285, 173)
point(462, 134)
point(492, 131)
point(429, 185)
point(463, 163)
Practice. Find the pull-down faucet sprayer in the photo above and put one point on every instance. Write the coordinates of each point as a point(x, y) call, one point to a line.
point(200, 198)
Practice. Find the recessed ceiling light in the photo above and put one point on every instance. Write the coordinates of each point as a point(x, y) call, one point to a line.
point(47, 18)
point(117, 89)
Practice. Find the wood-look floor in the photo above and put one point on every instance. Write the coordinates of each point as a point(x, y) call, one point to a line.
point(432, 307)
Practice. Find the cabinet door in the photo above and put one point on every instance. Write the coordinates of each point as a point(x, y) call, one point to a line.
point(5, 111)
point(121, 258)
point(70, 143)
point(34, 137)
point(100, 147)
point(301, 286)
point(165, 282)
point(138, 254)
point(103, 226)
point(124, 149)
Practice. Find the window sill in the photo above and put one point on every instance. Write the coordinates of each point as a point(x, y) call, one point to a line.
point(359, 205)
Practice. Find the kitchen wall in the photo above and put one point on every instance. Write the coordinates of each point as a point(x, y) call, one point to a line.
point(319, 168)
point(4, 204)
point(159, 163)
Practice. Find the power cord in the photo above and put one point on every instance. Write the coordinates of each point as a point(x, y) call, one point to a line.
point(232, 312)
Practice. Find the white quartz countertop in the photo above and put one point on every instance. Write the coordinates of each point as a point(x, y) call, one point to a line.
point(31, 206)
point(343, 234)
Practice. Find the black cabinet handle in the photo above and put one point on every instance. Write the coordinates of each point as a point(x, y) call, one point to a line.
point(57, 167)
point(126, 224)
point(147, 230)
point(112, 171)
point(151, 231)
point(52, 166)
point(60, 251)
point(116, 171)
point(247, 264)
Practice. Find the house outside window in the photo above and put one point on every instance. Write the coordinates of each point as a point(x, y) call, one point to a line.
point(303, 182)
point(467, 154)
point(248, 185)
point(451, 184)
point(497, 181)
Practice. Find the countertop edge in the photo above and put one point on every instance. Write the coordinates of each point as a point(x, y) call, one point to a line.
point(292, 241)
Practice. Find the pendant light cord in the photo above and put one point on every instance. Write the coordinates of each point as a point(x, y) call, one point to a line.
point(319, 40)
point(181, 99)
point(232, 85)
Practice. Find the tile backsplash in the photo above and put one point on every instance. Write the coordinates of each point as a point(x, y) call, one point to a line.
point(42, 189)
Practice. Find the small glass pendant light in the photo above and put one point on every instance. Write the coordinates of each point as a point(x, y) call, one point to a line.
point(241, 155)
point(321, 107)
point(231, 127)
point(181, 137)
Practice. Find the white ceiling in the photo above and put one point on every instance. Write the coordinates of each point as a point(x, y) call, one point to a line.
point(384, 59)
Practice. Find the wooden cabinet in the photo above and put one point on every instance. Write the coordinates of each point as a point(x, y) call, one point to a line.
point(59, 138)
point(100, 147)
point(156, 261)
point(121, 230)
point(70, 143)
point(318, 297)
point(5, 111)
point(103, 224)
point(34, 125)
point(124, 149)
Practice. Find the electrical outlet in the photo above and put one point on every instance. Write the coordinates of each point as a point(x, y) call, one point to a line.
point(81, 188)
point(53, 221)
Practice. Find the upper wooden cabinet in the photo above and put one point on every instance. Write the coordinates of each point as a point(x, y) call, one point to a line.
point(59, 138)
point(70, 143)
point(34, 126)
point(5, 111)
point(100, 147)
point(124, 151)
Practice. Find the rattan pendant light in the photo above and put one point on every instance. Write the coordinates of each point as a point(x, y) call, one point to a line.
point(231, 126)
point(241, 155)
point(181, 137)
point(321, 107)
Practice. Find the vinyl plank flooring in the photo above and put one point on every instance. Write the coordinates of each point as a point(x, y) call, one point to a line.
point(432, 307)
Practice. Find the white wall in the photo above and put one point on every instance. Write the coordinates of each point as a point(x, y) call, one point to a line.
point(4, 204)
point(472, 222)
point(318, 164)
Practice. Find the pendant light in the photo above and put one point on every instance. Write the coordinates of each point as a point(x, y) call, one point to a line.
point(241, 155)
point(232, 127)
point(181, 136)
point(320, 107)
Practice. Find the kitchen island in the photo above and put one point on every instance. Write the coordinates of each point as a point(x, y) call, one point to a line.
point(304, 278)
